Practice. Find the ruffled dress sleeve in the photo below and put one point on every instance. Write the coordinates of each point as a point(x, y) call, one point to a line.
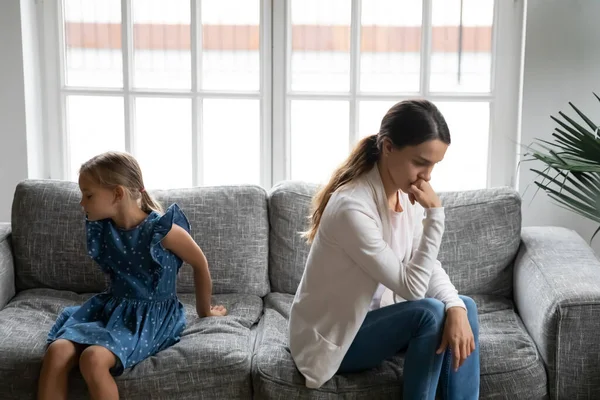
point(162, 227)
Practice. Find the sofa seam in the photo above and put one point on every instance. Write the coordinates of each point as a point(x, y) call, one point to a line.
point(483, 202)
point(531, 364)
point(5, 238)
point(290, 192)
point(255, 345)
point(288, 384)
point(192, 368)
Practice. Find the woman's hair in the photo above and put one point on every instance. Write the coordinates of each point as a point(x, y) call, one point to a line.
point(407, 123)
point(120, 169)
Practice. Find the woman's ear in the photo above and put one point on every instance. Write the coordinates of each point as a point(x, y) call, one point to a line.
point(388, 147)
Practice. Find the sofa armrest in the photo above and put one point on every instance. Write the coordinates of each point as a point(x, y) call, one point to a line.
point(7, 269)
point(557, 294)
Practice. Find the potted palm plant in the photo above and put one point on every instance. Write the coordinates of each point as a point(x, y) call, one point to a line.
point(570, 172)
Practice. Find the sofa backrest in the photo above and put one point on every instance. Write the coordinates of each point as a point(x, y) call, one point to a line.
point(481, 237)
point(289, 208)
point(230, 224)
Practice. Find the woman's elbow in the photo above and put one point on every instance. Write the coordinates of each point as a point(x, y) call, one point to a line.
point(414, 295)
point(414, 291)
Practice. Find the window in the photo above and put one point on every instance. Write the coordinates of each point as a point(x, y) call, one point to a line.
point(178, 83)
point(210, 92)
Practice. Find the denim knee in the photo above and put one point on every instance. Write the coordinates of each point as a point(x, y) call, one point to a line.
point(435, 311)
point(471, 312)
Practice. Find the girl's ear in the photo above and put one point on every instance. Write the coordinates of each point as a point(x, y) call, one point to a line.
point(119, 193)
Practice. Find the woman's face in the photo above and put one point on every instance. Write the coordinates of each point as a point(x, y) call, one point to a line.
point(407, 165)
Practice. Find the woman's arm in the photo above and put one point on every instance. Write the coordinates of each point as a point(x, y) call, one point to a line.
point(181, 244)
point(442, 289)
point(440, 286)
point(359, 236)
point(457, 330)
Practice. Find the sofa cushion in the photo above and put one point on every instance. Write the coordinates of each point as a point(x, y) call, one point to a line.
point(289, 207)
point(480, 242)
point(212, 360)
point(229, 223)
point(510, 364)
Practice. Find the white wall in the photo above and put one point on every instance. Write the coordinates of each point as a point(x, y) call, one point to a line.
point(32, 88)
point(13, 139)
point(20, 100)
point(561, 64)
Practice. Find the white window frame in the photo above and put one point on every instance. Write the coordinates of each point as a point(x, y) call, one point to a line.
point(275, 93)
point(57, 91)
point(503, 96)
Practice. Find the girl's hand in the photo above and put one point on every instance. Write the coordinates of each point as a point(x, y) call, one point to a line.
point(217, 311)
point(458, 336)
point(422, 192)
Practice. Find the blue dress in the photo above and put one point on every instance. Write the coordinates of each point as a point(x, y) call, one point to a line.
point(139, 314)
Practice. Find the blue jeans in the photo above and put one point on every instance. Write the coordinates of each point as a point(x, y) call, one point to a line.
point(416, 327)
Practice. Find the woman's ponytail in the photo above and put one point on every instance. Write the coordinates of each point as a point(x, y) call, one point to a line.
point(363, 157)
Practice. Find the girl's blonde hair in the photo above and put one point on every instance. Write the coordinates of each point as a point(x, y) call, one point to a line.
point(114, 168)
point(407, 123)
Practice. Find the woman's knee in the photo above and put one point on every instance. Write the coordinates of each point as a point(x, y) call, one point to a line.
point(471, 312)
point(435, 312)
point(470, 304)
point(94, 359)
point(61, 354)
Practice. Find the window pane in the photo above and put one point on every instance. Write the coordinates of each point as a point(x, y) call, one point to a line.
point(231, 135)
point(320, 135)
point(230, 44)
point(163, 141)
point(92, 40)
point(461, 59)
point(161, 44)
point(94, 125)
point(390, 45)
point(465, 165)
point(370, 115)
point(320, 54)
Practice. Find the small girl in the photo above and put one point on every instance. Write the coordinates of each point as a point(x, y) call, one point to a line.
point(141, 251)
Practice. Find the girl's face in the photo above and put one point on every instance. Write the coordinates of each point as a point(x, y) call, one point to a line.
point(98, 202)
point(407, 165)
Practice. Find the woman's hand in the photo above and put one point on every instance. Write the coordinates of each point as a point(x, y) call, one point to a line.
point(422, 192)
point(217, 311)
point(458, 336)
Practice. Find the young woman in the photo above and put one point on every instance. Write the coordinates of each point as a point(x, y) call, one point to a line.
point(372, 286)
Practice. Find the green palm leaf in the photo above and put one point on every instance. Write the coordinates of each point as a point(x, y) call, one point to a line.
point(570, 172)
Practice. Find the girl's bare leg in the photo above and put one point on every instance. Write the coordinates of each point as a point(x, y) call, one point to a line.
point(60, 358)
point(95, 364)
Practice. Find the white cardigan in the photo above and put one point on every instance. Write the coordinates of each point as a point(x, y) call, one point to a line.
point(349, 257)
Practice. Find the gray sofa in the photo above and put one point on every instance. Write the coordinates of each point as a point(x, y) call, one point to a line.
point(537, 289)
